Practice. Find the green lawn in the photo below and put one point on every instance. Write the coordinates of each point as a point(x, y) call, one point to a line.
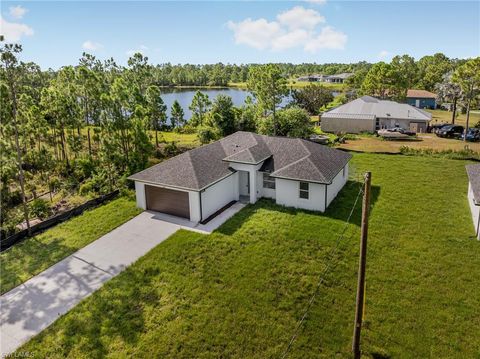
point(239, 292)
point(440, 116)
point(36, 254)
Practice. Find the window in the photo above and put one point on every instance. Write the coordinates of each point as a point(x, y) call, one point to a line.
point(377, 124)
point(268, 182)
point(303, 190)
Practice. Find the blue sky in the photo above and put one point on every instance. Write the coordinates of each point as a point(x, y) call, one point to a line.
point(56, 33)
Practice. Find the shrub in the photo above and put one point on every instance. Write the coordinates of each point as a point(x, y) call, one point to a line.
point(171, 149)
point(206, 134)
point(465, 154)
point(40, 208)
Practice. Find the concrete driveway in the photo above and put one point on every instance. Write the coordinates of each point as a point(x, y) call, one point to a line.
point(31, 307)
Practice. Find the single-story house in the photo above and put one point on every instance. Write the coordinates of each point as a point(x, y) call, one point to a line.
point(339, 78)
point(312, 78)
point(243, 166)
point(368, 114)
point(422, 99)
point(473, 172)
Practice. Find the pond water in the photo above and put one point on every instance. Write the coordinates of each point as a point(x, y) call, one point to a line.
point(184, 97)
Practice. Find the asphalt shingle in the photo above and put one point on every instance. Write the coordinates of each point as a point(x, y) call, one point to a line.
point(285, 157)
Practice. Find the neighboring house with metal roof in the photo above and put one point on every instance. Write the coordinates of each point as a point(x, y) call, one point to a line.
point(473, 172)
point(199, 183)
point(369, 114)
point(422, 99)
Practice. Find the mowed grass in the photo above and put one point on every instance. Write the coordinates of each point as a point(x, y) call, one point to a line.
point(425, 141)
point(32, 256)
point(239, 292)
point(440, 116)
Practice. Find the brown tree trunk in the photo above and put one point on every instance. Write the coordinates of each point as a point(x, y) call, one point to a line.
point(89, 143)
point(454, 113)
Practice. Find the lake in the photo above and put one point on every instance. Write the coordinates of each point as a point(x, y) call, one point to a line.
point(184, 97)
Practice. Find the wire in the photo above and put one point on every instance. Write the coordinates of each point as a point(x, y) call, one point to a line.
point(322, 275)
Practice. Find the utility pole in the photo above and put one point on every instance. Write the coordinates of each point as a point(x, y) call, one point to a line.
point(361, 267)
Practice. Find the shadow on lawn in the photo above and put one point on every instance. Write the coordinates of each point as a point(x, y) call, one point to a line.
point(339, 209)
point(26, 259)
point(116, 312)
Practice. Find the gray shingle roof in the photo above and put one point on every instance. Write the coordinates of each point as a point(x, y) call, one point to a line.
point(285, 157)
point(473, 172)
point(368, 105)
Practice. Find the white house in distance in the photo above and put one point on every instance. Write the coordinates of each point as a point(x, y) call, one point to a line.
point(199, 183)
point(368, 114)
point(473, 172)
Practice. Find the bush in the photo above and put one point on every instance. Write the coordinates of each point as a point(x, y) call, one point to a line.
point(40, 208)
point(465, 154)
point(171, 149)
point(206, 134)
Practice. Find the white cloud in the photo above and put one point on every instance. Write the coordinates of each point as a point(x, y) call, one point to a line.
point(92, 46)
point(290, 39)
point(329, 38)
point(12, 31)
point(319, 2)
point(259, 34)
point(384, 54)
point(296, 27)
point(300, 18)
point(17, 12)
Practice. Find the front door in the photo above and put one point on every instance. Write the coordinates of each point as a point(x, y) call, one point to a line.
point(244, 182)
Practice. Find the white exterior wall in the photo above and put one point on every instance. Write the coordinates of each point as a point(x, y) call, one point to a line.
point(392, 122)
point(288, 194)
point(337, 184)
point(140, 195)
point(219, 195)
point(349, 125)
point(264, 192)
point(194, 203)
point(475, 211)
point(253, 173)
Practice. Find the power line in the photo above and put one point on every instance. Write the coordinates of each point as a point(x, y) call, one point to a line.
point(322, 275)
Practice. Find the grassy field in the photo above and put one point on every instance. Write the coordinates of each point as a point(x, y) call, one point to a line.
point(182, 139)
point(440, 116)
point(425, 141)
point(32, 256)
point(239, 292)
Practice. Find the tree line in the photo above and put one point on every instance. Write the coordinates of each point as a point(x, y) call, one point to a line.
point(85, 128)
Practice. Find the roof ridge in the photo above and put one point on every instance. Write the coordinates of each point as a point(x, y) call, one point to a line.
point(197, 182)
point(293, 163)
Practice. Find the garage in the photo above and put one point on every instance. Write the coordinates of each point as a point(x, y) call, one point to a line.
point(167, 201)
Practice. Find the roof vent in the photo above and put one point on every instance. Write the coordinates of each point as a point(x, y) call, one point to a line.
point(388, 114)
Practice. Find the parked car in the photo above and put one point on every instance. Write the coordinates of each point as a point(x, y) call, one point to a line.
point(473, 135)
point(437, 127)
point(450, 131)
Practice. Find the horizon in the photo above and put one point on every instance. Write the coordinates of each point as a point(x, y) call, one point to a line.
point(55, 34)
